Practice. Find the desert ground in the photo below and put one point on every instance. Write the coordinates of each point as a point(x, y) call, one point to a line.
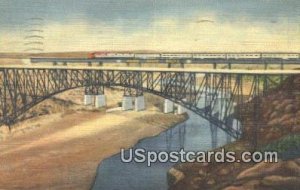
point(61, 143)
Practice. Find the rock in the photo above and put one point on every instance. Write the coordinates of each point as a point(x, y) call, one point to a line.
point(287, 117)
point(298, 113)
point(291, 183)
point(275, 103)
point(288, 101)
point(273, 122)
point(292, 168)
point(236, 165)
point(196, 182)
point(252, 184)
point(274, 115)
point(283, 104)
point(234, 188)
point(289, 108)
point(297, 161)
point(260, 170)
point(211, 182)
point(223, 171)
point(296, 129)
point(174, 176)
point(273, 135)
point(202, 172)
point(267, 114)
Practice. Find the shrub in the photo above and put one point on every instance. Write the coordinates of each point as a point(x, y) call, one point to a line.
point(287, 147)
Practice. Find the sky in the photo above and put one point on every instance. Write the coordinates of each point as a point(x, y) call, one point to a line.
point(158, 25)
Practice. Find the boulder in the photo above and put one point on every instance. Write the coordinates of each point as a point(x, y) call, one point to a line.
point(274, 115)
point(296, 129)
point(196, 182)
point(260, 170)
point(211, 181)
point(174, 176)
point(291, 183)
point(223, 171)
point(289, 108)
point(235, 188)
point(292, 168)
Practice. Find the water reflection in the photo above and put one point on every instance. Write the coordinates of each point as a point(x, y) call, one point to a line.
point(193, 135)
point(175, 139)
point(196, 134)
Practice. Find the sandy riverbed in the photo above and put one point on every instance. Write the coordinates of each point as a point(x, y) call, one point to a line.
point(63, 152)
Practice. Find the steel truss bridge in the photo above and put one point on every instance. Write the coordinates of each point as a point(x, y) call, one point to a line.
point(212, 94)
point(169, 62)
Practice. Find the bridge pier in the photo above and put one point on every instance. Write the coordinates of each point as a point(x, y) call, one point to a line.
point(100, 101)
point(139, 103)
point(88, 99)
point(181, 109)
point(127, 103)
point(168, 106)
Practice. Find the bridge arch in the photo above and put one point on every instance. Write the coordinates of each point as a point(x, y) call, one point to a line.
point(23, 88)
point(25, 107)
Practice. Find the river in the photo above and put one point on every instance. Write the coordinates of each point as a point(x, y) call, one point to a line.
point(192, 135)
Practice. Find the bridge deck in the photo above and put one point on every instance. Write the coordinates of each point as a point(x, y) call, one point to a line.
point(187, 70)
point(164, 60)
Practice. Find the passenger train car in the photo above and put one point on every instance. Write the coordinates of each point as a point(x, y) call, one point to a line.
point(120, 55)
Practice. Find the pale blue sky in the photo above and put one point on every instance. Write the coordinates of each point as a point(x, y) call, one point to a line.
point(127, 21)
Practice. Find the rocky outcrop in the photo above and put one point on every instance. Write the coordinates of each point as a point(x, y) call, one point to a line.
point(174, 176)
point(281, 175)
point(279, 116)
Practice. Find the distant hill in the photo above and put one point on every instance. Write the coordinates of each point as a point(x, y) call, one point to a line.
point(52, 54)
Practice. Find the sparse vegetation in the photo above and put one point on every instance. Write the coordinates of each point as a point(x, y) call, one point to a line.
point(287, 147)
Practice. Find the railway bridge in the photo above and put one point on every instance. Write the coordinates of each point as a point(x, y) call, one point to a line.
point(211, 93)
point(169, 62)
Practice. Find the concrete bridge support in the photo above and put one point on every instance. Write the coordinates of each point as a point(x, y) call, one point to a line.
point(181, 109)
point(139, 103)
point(100, 101)
point(168, 106)
point(88, 99)
point(127, 103)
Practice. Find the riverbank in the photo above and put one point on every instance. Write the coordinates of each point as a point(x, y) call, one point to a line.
point(278, 130)
point(61, 148)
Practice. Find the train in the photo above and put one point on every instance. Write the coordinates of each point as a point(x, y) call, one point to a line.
point(128, 55)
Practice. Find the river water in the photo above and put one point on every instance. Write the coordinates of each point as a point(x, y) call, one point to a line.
point(192, 135)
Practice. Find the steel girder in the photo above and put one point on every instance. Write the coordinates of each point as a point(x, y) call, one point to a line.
point(212, 96)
